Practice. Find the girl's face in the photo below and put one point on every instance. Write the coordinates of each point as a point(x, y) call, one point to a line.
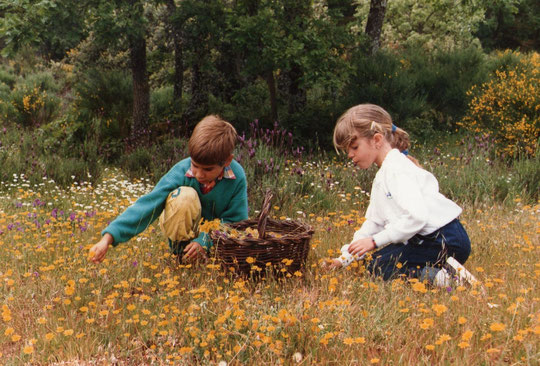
point(363, 151)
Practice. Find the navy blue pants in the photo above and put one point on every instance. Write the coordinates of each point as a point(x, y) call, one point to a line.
point(421, 251)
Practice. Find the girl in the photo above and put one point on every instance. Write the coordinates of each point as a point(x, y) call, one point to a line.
point(413, 228)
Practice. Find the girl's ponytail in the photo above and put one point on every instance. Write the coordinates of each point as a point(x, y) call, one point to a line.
point(366, 120)
point(399, 139)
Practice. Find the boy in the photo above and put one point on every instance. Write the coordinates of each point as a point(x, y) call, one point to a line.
point(208, 184)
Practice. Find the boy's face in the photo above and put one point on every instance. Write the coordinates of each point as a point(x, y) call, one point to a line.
point(207, 173)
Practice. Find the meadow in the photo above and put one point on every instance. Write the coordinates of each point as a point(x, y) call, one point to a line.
point(141, 307)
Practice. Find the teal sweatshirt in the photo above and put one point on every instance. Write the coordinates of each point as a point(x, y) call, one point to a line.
point(227, 201)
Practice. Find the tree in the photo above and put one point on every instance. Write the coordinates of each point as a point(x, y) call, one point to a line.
point(432, 25)
point(122, 24)
point(511, 24)
point(257, 37)
point(177, 40)
point(201, 24)
point(297, 15)
point(51, 27)
point(374, 23)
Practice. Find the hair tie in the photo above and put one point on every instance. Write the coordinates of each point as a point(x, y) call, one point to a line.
point(405, 152)
point(394, 128)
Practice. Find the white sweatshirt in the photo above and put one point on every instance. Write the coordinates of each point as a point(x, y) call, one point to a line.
point(405, 201)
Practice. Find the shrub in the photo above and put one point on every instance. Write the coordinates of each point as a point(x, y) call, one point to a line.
point(163, 106)
point(28, 152)
point(247, 104)
point(385, 79)
point(445, 78)
point(138, 163)
point(527, 178)
point(107, 97)
point(154, 161)
point(507, 107)
point(7, 76)
point(34, 101)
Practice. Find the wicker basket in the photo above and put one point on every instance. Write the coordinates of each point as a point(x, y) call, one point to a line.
point(281, 248)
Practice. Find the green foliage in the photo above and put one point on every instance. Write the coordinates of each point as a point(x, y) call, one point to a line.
point(7, 76)
point(40, 156)
point(247, 104)
point(138, 163)
point(445, 77)
point(511, 24)
point(7, 82)
point(429, 25)
point(152, 162)
point(163, 105)
point(105, 96)
point(423, 94)
point(387, 80)
point(469, 171)
point(53, 27)
point(33, 100)
point(115, 24)
point(526, 178)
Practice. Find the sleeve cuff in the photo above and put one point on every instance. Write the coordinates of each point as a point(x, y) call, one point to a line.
point(382, 239)
point(347, 258)
point(114, 243)
point(204, 240)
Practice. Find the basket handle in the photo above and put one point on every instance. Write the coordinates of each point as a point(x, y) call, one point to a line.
point(263, 215)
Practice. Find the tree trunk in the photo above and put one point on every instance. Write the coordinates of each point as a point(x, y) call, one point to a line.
point(198, 104)
point(271, 82)
point(296, 13)
point(297, 94)
point(178, 79)
point(374, 24)
point(141, 89)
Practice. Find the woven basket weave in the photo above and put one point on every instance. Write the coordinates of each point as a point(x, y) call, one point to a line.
point(281, 248)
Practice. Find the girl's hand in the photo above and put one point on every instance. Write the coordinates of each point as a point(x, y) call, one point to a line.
point(331, 264)
point(361, 246)
point(194, 252)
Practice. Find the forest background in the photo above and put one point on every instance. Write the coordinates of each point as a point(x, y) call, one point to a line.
point(97, 99)
point(99, 82)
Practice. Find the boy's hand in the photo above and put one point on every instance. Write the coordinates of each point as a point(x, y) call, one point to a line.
point(194, 252)
point(98, 251)
point(361, 246)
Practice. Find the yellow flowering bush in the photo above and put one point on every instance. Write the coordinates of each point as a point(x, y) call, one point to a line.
point(508, 107)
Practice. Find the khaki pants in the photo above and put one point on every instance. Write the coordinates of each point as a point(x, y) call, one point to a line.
point(180, 218)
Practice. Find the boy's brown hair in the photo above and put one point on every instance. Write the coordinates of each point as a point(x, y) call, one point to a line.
point(212, 141)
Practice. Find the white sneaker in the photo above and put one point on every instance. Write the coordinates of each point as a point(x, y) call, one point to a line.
point(459, 273)
point(443, 279)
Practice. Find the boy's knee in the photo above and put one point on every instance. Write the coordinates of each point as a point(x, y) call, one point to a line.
point(183, 199)
point(181, 214)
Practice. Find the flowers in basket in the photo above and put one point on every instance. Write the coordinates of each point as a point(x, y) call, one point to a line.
point(225, 231)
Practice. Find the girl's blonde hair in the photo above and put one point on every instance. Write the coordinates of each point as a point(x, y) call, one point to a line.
point(365, 120)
